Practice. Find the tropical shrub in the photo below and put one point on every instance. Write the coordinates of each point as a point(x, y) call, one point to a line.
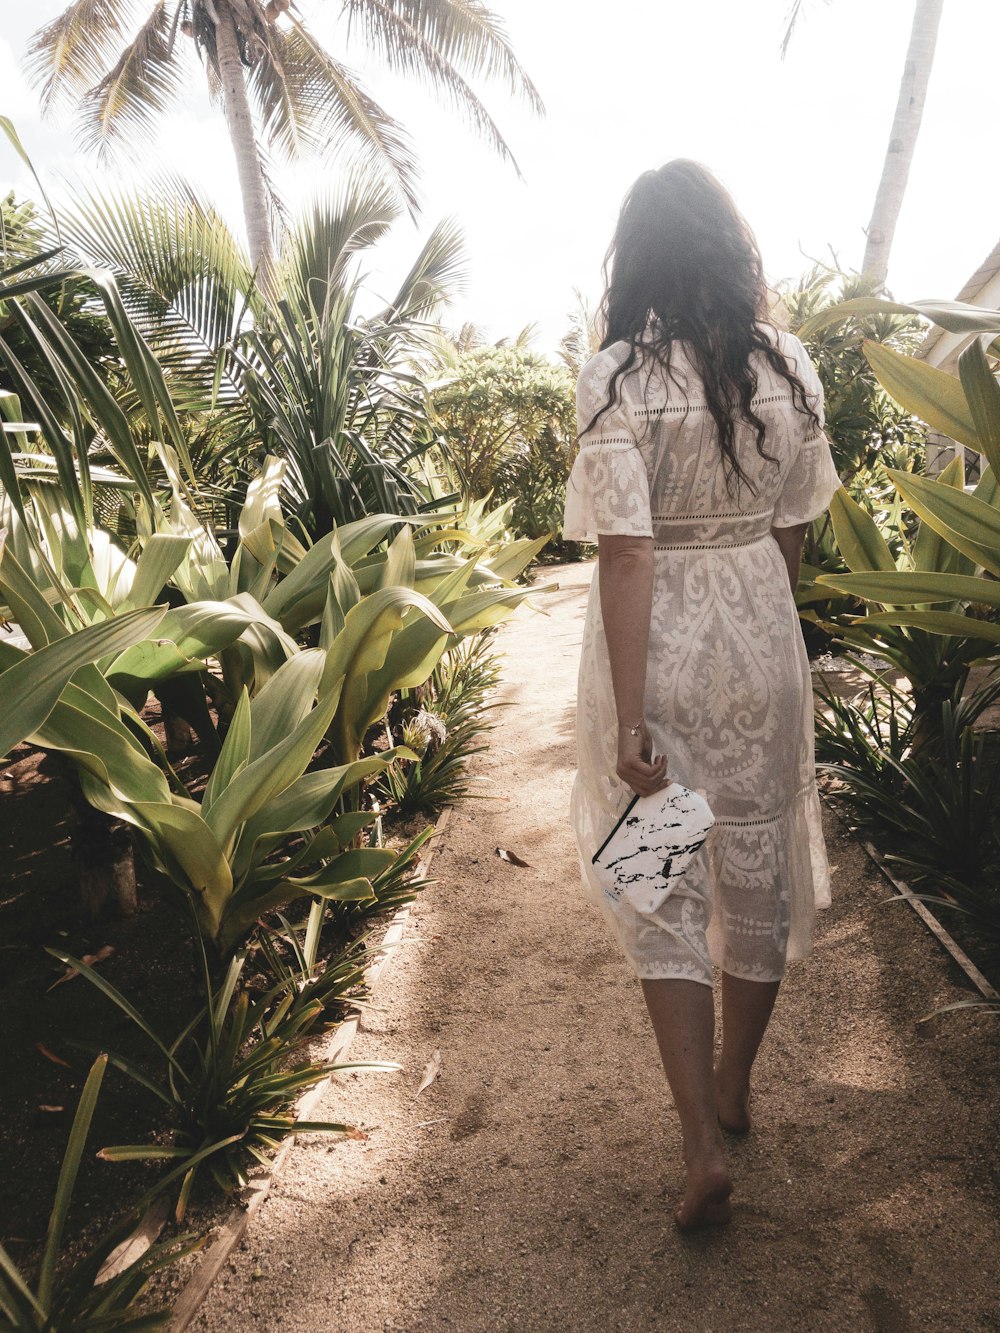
point(508, 417)
point(865, 425)
point(226, 1084)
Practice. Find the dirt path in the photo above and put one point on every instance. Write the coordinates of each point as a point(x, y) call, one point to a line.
point(530, 1187)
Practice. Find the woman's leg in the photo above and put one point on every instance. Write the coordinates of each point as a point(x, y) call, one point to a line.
point(683, 1019)
point(746, 1010)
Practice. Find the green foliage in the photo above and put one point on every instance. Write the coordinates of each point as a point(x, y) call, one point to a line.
point(509, 421)
point(443, 722)
point(24, 239)
point(933, 804)
point(226, 1085)
point(65, 1299)
point(863, 422)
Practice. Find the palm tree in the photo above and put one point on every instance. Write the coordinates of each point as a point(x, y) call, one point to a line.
point(902, 136)
point(281, 91)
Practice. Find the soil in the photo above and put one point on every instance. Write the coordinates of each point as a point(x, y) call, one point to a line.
point(530, 1186)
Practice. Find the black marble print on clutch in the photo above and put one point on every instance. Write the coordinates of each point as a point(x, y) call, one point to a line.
point(652, 845)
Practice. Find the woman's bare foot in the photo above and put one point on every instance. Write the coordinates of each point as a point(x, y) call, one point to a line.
point(733, 1102)
point(706, 1201)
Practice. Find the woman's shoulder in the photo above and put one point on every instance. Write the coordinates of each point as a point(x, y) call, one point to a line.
point(595, 377)
point(603, 364)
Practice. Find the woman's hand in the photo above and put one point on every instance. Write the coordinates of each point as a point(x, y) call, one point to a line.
point(637, 766)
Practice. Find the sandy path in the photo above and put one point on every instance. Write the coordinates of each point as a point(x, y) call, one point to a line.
point(530, 1187)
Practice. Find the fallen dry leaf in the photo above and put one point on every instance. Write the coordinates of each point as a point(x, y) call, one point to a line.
point(134, 1246)
point(512, 857)
point(50, 1055)
point(90, 959)
point(431, 1071)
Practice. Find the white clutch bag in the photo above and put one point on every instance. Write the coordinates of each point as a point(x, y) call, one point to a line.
point(651, 846)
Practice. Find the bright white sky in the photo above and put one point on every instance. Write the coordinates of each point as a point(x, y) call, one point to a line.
point(628, 85)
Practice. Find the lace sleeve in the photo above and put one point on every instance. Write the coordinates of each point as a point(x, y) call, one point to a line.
point(608, 489)
point(811, 478)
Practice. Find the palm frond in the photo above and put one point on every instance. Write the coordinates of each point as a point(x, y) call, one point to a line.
point(463, 33)
point(407, 47)
point(73, 52)
point(437, 275)
point(184, 278)
point(140, 87)
point(306, 97)
point(792, 21)
point(332, 231)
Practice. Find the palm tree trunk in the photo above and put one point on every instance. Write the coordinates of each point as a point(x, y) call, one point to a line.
point(902, 138)
point(241, 131)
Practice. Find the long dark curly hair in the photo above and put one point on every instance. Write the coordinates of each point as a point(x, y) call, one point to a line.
point(684, 265)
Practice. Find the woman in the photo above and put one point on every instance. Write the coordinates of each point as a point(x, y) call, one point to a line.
point(702, 461)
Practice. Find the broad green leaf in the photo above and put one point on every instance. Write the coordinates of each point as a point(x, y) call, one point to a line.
point(954, 316)
point(514, 558)
point(101, 743)
point(160, 557)
point(185, 637)
point(968, 523)
point(910, 587)
point(359, 862)
point(33, 685)
point(263, 502)
point(285, 700)
point(938, 622)
point(264, 778)
point(982, 394)
point(930, 394)
point(305, 804)
point(234, 755)
point(861, 544)
point(195, 848)
point(401, 561)
point(930, 550)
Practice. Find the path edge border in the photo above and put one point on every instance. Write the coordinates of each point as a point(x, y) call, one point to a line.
point(237, 1223)
point(940, 932)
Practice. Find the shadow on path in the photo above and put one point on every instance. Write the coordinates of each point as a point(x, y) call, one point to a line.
point(530, 1187)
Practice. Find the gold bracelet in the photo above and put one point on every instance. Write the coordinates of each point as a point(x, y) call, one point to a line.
point(635, 729)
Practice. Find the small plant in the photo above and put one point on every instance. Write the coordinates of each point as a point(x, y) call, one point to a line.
point(69, 1301)
point(934, 804)
point(455, 700)
point(226, 1086)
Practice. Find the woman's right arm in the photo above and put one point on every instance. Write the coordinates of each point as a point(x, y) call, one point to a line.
point(625, 580)
point(790, 543)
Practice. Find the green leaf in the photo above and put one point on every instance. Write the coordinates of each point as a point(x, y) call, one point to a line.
point(234, 755)
point(264, 778)
point(983, 396)
point(32, 686)
point(186, 636)
point(910, 587)
point(937, 622)
point(861, 544)
point(67, 1179)
point(159, 560)
point(968, 523)
point(930, 394)
point(930, 551)
point(954, 316)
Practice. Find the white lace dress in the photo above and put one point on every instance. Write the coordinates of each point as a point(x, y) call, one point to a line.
point(728, 695)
